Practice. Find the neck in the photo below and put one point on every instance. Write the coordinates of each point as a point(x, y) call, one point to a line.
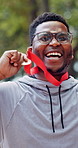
point(41, 76)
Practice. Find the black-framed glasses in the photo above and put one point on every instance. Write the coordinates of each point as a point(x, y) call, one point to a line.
point(46, 37)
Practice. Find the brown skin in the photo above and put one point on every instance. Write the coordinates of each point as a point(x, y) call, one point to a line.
point(10, 63)
point(56, 66)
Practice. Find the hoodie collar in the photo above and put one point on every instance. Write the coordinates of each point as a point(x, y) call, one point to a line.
point(40, 84)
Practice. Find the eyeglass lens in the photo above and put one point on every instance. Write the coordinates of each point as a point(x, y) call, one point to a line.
point(46, 37)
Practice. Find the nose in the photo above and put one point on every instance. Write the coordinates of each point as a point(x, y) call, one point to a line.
point(54, 42)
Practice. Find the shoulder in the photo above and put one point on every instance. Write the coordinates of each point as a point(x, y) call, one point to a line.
point(7, 86)
point(9, 92)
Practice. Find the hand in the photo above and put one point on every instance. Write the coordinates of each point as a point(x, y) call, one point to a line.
point(10, 63)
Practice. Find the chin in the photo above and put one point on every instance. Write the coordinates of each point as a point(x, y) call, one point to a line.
point(60, 71)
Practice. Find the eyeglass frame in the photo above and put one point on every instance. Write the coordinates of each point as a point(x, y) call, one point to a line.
point(53, 35)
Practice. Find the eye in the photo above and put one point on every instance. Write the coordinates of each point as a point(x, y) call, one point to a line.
point(63, 37)
point(44, 37)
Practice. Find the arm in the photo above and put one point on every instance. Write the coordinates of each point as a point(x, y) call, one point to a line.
point(10, 63)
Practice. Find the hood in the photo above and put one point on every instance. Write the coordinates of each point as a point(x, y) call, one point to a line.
point(39, 84)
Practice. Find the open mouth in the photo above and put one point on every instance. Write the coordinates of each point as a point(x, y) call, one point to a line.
point(53, 55)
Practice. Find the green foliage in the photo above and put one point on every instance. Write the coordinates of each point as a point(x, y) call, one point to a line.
point(14, 22)
point(15, 17)
point(67, 8)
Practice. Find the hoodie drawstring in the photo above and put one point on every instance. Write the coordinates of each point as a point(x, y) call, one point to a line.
point(52, 108)
point(61, 107)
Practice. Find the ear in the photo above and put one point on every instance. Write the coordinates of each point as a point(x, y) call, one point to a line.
point(72, 55)
point(28, 49)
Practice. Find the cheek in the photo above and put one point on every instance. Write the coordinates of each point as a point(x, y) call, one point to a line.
point(68, 50)
point(38, 49)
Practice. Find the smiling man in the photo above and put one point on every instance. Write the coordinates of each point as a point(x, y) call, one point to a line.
point(40, 110)
point(52, 44)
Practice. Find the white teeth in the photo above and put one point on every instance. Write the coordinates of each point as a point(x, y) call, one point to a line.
point(54, 54)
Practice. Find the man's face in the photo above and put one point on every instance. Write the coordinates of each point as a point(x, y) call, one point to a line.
point(56, 56)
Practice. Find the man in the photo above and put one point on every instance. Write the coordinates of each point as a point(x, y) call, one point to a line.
point(40, 110)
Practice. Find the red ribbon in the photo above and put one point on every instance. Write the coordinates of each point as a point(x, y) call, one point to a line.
point(40, 64)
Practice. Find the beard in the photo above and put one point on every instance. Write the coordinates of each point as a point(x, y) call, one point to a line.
point(60, 71)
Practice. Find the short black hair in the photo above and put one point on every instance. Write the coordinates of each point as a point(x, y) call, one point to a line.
point(46, 16)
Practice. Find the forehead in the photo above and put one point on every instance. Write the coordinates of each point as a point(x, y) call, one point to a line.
point(52, 26)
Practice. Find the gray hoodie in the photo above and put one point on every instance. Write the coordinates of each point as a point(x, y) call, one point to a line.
point(37, 114)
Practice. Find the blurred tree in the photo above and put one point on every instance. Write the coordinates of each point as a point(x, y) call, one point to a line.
point(46, 5)
point(33, 9)
point(14, 18)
